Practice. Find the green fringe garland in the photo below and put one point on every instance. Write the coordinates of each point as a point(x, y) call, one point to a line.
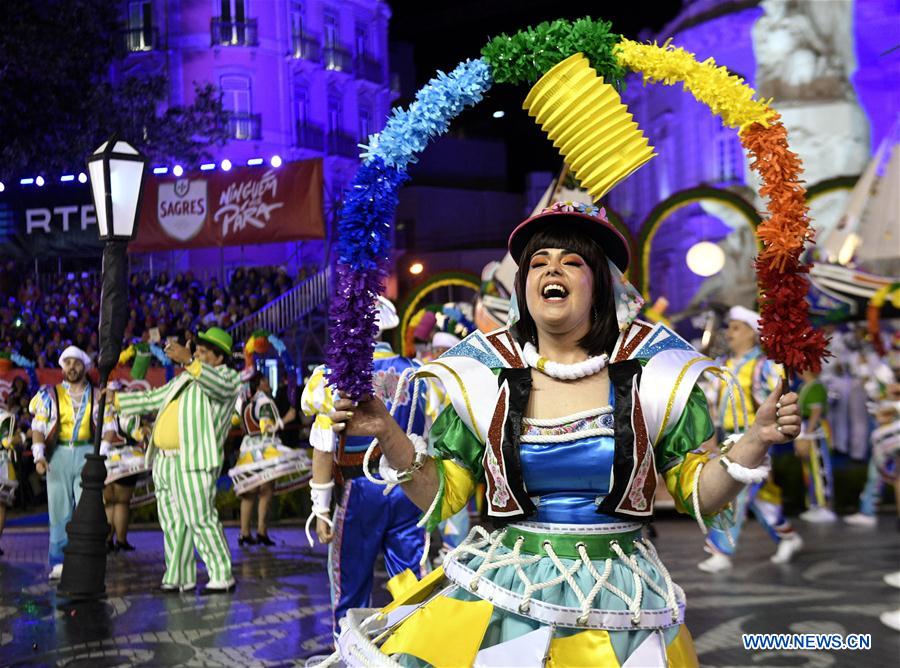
point(527, 55)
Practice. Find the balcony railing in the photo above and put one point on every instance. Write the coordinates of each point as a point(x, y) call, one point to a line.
point(286, 310)
point(310, 136)
point(234, 33)
point(343, 145)
point(141, 39)
point(244, 126)
point(370, 70)
point(307, 48)
point(335, 58)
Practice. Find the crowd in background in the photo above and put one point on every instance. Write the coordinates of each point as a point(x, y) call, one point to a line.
point(39, 322)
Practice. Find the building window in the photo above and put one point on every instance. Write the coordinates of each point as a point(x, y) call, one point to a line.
point(302, 97)
point(365, 124)
point(140, 34)
point(335, 111)
point(729, 156)
point(362, 41)
point(331, 35)
point(237, 101)
point(296, 18)
point(232, 27)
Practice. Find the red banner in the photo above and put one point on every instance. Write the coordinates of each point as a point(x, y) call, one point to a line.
point(246, 205)
point(156, 377)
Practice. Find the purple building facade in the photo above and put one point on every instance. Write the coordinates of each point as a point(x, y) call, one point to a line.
point(299, 79)
point(663, 204)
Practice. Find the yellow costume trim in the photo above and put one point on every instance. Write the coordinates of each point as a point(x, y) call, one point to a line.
point(459, 485)
point(465, 394)
point(588, 648)
point(671, 402)
point(126, 355)
point(770, 493)
point(680, 480)
point(66, 413)
point(195, 368)
point(406, 590)
point(725, 94)
point(446, 632)
point(680, 651)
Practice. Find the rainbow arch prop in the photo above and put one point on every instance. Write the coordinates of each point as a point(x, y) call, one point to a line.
point(363, 247)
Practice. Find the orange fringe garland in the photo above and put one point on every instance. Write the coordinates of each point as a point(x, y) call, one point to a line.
point(785, 329)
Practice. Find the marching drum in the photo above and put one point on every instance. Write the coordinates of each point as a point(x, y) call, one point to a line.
point(885, 447)
point(8, 482)
point(124, 461)
point(144, 491)
point(264, 459)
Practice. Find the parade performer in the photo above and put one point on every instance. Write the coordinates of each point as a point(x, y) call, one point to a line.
point(757, 378)
point(62, 435)
point(569, 450)
point(876, 377)
point(123, 445)
point(263, 459)
point(814, 450)
point(9, 439)
point(365, 520)
point(193, 416)
point(568, 422)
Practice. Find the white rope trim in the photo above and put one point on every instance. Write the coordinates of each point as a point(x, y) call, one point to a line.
point(566, 419)
point(695, 498)
point(479, 539)
point(562, 438)
point(588, 367)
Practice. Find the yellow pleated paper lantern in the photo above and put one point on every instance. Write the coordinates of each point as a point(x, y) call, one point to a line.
point(586, 120)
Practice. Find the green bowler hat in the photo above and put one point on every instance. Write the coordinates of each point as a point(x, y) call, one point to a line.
point(218, 337)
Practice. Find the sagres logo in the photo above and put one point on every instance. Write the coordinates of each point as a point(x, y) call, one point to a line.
point(248, 202)
point(182, 208)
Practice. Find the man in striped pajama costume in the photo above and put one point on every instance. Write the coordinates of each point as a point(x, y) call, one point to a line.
point(193, 415)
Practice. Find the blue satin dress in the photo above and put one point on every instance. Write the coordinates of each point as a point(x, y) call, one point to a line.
point(567, 475)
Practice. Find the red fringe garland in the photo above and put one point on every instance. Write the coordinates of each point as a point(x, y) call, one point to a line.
point(786, 333)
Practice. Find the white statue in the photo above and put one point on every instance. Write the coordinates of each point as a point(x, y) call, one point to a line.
point(804, 50)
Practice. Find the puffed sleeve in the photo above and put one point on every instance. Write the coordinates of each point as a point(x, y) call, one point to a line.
point(318, 400)
point(458, 459)
point(679, 455)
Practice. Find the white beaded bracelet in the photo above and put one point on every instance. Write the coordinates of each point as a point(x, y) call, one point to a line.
point(744, 475)
point(393, 476)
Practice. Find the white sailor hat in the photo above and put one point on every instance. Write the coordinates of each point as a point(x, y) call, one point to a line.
point(744, 315)
point(386, 314)
point(76, 353)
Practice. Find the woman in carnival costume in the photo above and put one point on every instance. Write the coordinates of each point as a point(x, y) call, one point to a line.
point(9, 439)
point(264, 462)
point(568, 415)
point(123, 445)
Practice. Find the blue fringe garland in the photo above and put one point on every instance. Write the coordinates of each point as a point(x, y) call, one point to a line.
point(364, 227)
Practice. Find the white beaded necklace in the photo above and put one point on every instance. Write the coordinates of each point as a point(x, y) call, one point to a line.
point(583, 369)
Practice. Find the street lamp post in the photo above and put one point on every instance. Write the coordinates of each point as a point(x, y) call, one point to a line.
point(116, 171)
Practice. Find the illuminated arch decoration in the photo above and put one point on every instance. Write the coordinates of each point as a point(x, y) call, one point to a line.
point(410, 306)
point(364, 227)
point(830, 185)
point(658, 215)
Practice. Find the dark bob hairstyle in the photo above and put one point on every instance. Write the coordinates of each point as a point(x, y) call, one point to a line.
point(604, 330)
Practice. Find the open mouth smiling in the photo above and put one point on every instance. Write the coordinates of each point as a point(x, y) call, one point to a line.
point(554, 292)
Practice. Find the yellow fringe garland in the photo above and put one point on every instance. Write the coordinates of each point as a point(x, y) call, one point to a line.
point(725, 94)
